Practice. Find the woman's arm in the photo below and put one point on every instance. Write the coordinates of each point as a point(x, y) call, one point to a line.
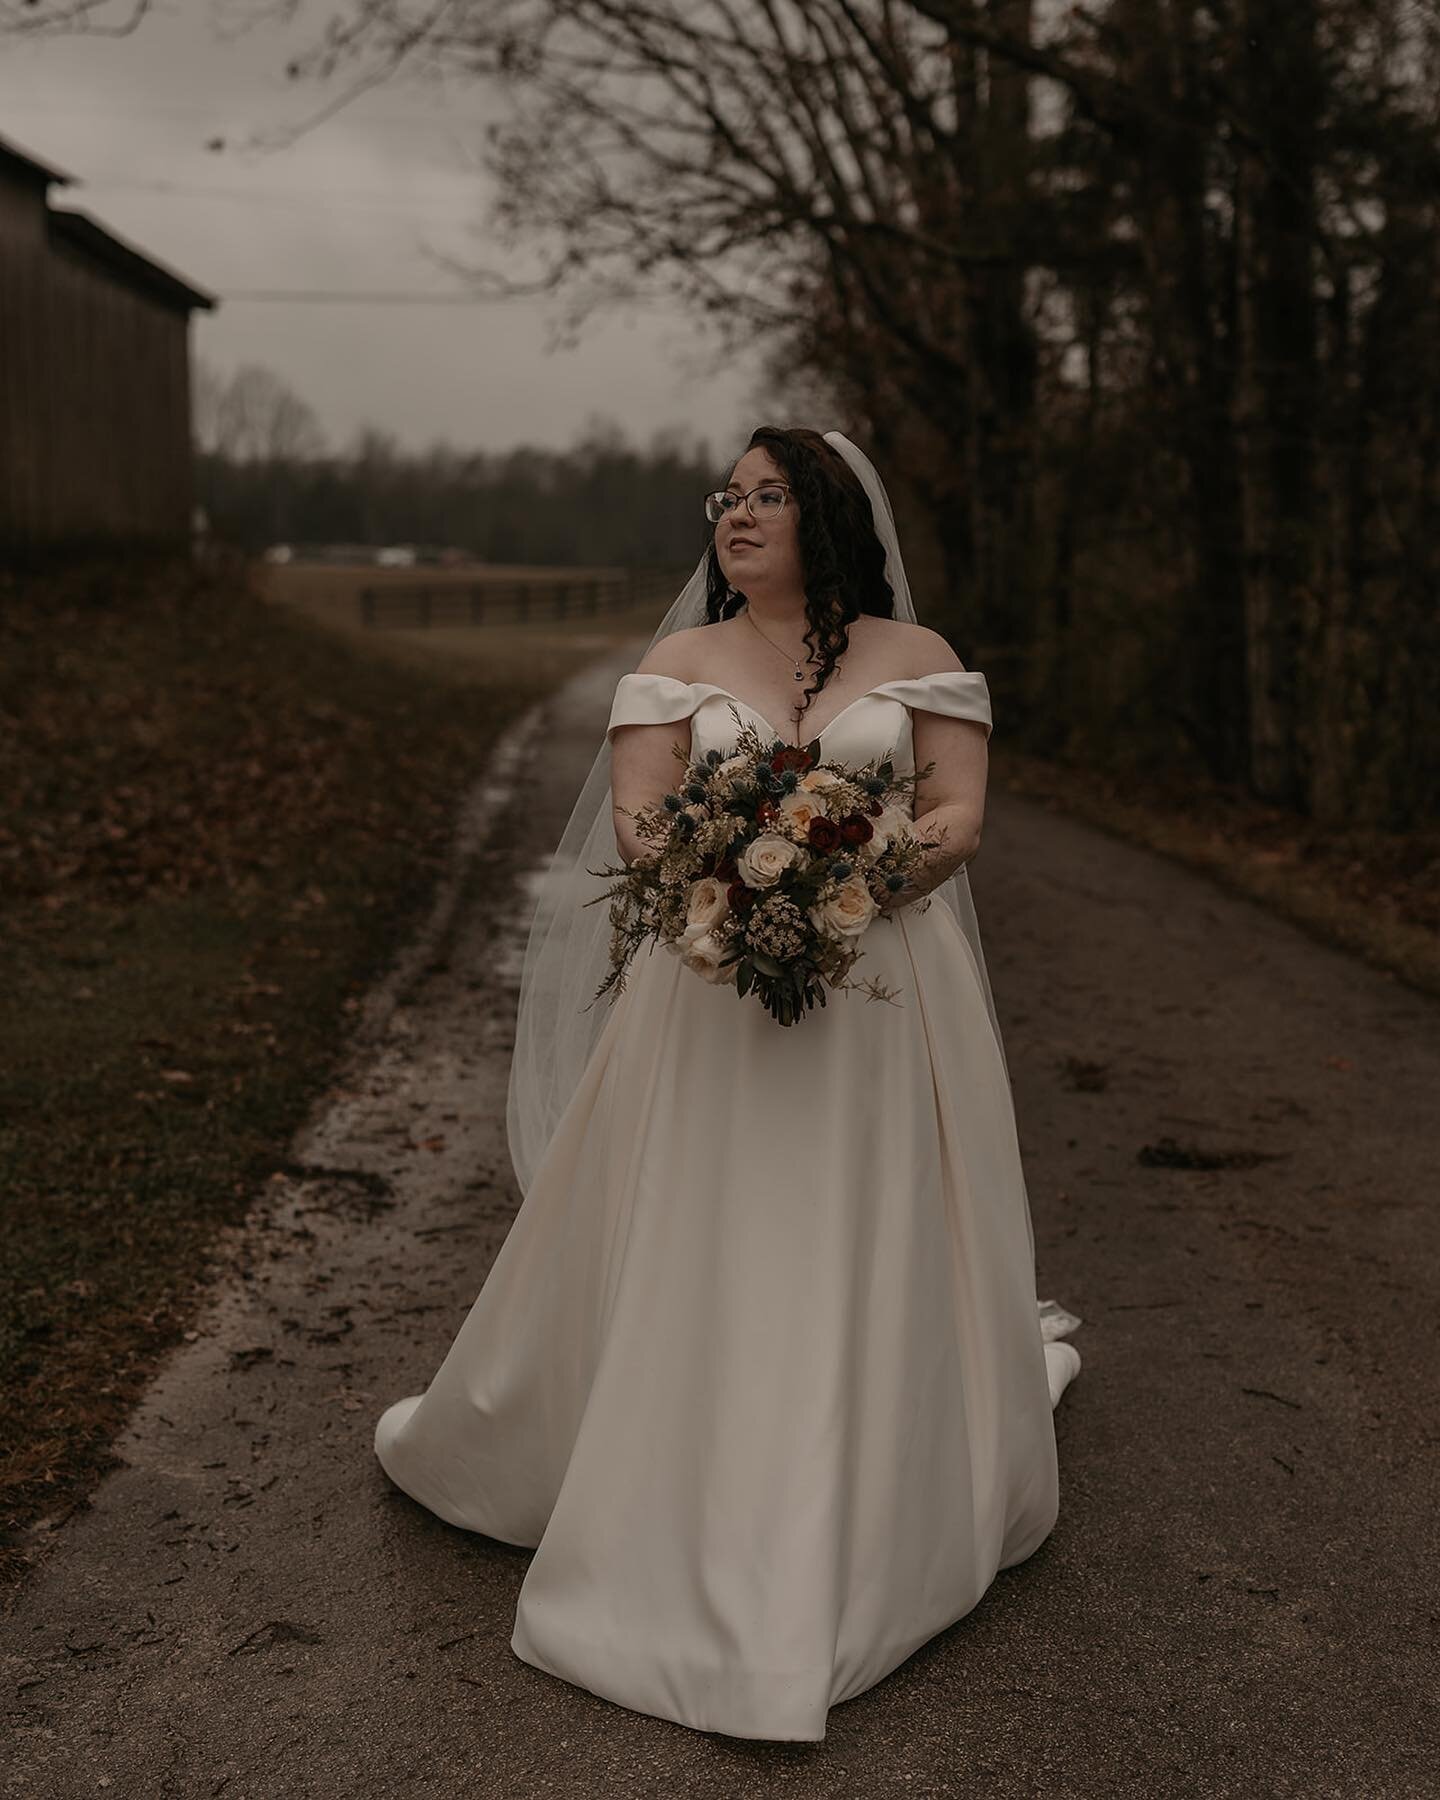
point(952, 829)
point(643, 764)
point(950, 802)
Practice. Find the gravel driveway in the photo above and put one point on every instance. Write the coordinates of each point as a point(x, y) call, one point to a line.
point(1230, 1134)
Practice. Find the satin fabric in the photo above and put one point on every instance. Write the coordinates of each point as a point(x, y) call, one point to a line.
point(958, 693)
point(758, 1368)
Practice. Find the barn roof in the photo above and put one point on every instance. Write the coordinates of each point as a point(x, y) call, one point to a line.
point(80, 232)
point(21, 163)
point(87, 235)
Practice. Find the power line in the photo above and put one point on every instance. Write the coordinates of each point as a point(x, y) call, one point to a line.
point(375, 297)
point(291, 200)
point(639, 301)
point(216, 112)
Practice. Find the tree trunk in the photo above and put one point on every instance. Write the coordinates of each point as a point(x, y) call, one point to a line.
point(991, 550)
point(1276, 376)
point(1168, 149)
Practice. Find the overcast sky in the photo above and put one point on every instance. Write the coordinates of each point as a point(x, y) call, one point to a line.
point(351, 206)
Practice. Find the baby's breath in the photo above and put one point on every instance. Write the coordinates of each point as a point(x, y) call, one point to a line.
point(720, 805)
point(776, 926)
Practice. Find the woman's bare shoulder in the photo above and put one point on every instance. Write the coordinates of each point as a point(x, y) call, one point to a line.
point(680, 654)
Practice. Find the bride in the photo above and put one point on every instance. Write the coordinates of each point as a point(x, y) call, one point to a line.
point(759, 1370)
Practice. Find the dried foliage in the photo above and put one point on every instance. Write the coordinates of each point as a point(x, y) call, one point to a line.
point(840, 845)
point(216, 822)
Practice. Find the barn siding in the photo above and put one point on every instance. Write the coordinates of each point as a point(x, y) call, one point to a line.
point(95, 431)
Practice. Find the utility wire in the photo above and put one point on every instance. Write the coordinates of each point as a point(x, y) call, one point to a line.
point(216, 111)
point(377, 297)
point(289, 200)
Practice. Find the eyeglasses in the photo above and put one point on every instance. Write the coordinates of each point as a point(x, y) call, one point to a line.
point(765, 502)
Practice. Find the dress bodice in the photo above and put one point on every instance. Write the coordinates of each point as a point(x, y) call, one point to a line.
point(875, 723)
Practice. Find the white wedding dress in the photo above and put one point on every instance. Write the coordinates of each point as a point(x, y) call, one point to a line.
point(759, 1368)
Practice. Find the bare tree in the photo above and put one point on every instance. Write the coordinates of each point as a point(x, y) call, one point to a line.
point(256, 416)
point(88, 18)
point(1141, 297)
point(736, 152)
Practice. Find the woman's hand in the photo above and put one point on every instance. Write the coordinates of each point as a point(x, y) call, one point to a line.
point(951, 836)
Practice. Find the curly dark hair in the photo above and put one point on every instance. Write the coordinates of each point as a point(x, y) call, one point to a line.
point(843, 558)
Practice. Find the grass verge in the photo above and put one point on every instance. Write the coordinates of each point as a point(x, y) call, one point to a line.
point(218, 822)
point(1373, 893)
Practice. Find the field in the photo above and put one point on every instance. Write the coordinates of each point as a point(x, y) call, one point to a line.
point(226, 805)
point(330, 595)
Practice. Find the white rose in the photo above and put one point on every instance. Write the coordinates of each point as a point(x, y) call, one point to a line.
point(725, 774)
point(702, 954)
point(890, 824)
point(800, 808)
point(763, 862)
point(847, 912)
point(814, 780)
point(705, 904)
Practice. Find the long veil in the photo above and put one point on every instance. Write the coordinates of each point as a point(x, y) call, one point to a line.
point(567, 949)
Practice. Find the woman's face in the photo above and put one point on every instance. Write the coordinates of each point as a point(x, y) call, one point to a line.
point(760, 555)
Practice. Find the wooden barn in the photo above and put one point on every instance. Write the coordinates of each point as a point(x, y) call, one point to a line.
point(95, 437)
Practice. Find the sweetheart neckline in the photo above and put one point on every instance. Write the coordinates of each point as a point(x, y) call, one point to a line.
point(829, 724)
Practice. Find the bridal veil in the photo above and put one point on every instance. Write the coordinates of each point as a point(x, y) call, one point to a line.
point(567, 947)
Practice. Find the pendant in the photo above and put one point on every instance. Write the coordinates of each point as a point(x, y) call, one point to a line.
point(799, 674)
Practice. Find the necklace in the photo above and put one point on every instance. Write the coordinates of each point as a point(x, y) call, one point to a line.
point(799, 667)
point(797, 711)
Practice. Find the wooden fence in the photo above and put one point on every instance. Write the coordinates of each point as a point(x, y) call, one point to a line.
point(512, 599)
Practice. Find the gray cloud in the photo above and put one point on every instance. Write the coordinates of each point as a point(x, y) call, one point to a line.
point(352, 205)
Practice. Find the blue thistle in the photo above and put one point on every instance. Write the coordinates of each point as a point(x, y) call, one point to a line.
point(672, 803)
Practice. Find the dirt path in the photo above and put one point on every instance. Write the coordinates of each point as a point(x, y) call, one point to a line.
point(1238, 1598)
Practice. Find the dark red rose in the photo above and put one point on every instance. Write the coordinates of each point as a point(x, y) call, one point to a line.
point(855, 828)
point(823, 834)
point(739, 896)
point(793, 756)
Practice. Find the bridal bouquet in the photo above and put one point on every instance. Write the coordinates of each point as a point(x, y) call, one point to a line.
point(763, 870)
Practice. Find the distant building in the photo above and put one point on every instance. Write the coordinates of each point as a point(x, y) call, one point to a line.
point(95, 435)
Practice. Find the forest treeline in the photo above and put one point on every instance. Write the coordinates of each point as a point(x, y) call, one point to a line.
point(1141, 297)
point(265, 476)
